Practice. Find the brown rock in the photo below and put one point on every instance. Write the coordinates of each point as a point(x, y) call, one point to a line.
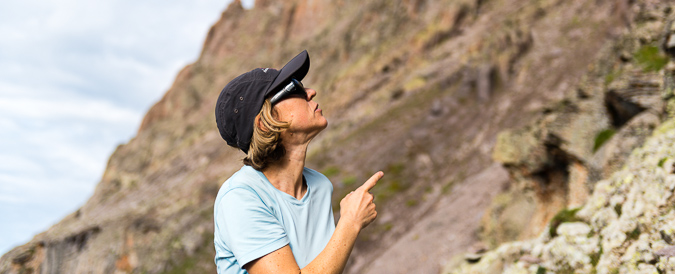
point(530, 259)
point(666, 252)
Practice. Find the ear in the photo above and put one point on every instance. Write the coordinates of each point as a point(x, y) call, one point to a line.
point(259, 123)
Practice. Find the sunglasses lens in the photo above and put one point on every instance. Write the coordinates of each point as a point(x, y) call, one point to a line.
point(294, 88)
point(298, 88)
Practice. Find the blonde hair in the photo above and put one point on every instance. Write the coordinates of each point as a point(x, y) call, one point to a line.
point(266, 144)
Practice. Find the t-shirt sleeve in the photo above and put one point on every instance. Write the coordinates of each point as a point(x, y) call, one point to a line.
point(248, 226)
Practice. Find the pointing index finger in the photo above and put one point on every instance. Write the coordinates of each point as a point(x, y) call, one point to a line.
point(368, 185)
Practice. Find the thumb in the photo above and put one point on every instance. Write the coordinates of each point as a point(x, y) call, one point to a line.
point(372, 181)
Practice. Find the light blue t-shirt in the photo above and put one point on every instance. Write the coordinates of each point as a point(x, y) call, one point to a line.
point(253, 218)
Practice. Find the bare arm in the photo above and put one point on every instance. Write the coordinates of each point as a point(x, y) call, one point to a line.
point(357, 211)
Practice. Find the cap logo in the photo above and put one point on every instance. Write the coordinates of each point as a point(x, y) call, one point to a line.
point(265, 70)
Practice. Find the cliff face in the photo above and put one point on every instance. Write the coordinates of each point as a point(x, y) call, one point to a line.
point(419, 89)
point(614, 139)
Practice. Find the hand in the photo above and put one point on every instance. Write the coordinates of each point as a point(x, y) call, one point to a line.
point(357, 207)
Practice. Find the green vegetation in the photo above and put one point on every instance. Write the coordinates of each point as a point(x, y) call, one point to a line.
point(602, 137)
point(665, 127)
point(566, 269)
point(541, 270)
point(331, 171)
point(595, 257)
point(564, 216)
point(387, 226)
point(617, 209)
point(389, 188)
point(633, 235)
point(670, 109)
point(447, 187)
point(411, 203)
point(184, 267)
point(610, 77)
point(396, 169)
point(193, 264)
point(392, 183)
point(662, 161)
point(428, 189)
point(650, 58)
point(415, 83)
point(349, 180)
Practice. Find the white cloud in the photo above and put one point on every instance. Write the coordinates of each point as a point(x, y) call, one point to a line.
point(19, 164)
point(75, 81)
point(51, 108)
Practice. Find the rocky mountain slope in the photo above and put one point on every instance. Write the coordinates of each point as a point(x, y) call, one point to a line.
point(626, 225)
point(417, 88)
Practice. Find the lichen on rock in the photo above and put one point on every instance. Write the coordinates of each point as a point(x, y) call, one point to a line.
point(626, 243)
point(626, 223)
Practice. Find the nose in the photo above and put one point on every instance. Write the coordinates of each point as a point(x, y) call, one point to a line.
point(310, 93)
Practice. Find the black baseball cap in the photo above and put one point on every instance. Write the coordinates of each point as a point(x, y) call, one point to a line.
point(242, 98)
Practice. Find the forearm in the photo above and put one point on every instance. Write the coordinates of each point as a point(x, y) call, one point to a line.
point(334, 256)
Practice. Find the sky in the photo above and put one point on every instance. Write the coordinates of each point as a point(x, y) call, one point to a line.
point(76, 78)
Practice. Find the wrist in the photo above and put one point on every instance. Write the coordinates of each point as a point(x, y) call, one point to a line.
point(349, 225)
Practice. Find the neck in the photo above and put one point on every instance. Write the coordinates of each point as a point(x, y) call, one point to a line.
point(286, 174)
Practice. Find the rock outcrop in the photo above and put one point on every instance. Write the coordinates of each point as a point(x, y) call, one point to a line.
point(625, 227)
point(607, 140)
point(418, 89)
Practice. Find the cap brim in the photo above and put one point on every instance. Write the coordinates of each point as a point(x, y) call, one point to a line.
point(297, 69)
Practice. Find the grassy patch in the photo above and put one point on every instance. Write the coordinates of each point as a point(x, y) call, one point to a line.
point(566, 269)
point(185, 266)
point(602, 137)
point(633, 235)
point(617, 209)
point(650, 58)
point(411, 203)
point(396, 169)
point(541, 270)
point(194, 264)
point(595, 257)
point(387, 226)
point(331, 171)
point(388, 189)
point(428, 189)
point(662, 161)
point(349, 180)
point(665, 127)
point(392, 183)
point(610, 77)
point(414, 83)
point(447, 187)
point(564, 216)
point(670, 109)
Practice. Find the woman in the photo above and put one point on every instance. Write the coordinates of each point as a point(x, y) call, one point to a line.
point(274, 215)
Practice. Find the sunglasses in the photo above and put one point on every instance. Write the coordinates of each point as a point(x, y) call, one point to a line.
point(294, 88)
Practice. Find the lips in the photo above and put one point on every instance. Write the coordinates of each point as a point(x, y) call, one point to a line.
point(317, 107)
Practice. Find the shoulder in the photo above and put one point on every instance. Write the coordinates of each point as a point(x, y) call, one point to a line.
point(317, 178)
point(246, 176)
point(243, 184)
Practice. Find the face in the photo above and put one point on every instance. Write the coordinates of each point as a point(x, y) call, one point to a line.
point(304, 115)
